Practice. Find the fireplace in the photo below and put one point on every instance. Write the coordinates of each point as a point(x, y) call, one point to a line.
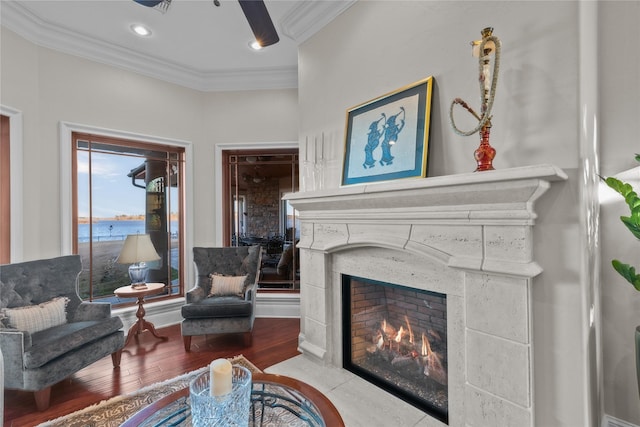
point(396, 338)
point(466, 237)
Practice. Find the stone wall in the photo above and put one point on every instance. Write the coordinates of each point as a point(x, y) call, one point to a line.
point(263, 208)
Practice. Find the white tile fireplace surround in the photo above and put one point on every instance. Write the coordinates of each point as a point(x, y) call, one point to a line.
point(467, 236)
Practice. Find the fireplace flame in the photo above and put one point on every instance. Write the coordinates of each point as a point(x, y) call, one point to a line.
point(426, 346)
point(388, 331)
point(433, 367)
point(397, 348)
point(411, 340)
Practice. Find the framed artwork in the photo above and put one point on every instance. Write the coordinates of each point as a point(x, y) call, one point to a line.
point(387, 137)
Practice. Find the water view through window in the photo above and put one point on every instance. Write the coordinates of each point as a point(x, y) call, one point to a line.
point(122, 188)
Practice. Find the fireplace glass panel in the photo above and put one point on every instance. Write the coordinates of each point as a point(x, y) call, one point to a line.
point(396, 338)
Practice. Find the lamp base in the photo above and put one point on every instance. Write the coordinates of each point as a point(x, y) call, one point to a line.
point(138, 274)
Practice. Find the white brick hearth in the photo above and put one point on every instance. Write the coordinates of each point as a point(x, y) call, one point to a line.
point(468, 236)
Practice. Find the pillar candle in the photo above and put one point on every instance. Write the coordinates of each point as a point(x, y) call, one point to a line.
point(220, 382)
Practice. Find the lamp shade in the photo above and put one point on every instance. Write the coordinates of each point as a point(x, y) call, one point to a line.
point(137, 248)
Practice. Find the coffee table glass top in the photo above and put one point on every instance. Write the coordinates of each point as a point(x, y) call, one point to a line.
point(273, 403)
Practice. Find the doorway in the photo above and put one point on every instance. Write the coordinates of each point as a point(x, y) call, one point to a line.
point(254, 182)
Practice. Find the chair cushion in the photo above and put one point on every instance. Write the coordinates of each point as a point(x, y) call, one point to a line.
point(216, 307)
point(34, 318)
point(53, 342)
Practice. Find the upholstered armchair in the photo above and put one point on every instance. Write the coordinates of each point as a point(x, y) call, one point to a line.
point(47, 332)
point(283, 273)
point(223, 300)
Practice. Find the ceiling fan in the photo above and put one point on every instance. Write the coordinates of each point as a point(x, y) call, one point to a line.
point(254, 10)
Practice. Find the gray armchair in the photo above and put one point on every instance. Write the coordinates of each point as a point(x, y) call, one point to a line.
point(37, 357)
point(204, 314)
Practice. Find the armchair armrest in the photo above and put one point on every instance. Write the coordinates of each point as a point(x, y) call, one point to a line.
point(194, 295)
point(92, 311)
point(250, 292)
point(14, 343)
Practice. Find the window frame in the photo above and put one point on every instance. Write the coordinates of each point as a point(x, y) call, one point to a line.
point(221, 217)
point(16, 184)
point(110, 146)
point(5, 190)
point(66, 188)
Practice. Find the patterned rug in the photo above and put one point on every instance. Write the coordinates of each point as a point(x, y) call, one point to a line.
point(115, 411)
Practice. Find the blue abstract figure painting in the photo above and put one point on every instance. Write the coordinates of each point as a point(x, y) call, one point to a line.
point(387, 138)
point(391, 131)
point(373, 140)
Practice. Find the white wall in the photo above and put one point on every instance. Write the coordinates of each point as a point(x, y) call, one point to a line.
point(376, 47)
point(620, 127)
point(49, 87)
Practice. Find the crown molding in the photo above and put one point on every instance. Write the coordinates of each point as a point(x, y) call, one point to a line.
point(18, 19)
point(308, 17)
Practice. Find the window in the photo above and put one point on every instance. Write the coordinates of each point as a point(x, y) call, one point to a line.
point(239, 219)
point(289, 220)
point(5, 192)
point(123, 187)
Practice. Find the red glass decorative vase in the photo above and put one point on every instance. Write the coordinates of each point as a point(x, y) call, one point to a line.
point(485, 153)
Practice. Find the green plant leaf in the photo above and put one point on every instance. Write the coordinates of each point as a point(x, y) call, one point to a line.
point(621, 187)
point(627, 272)
point(633, 201)
point(632, 224)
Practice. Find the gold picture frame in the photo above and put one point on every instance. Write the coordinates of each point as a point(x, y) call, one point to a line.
point(387, 138)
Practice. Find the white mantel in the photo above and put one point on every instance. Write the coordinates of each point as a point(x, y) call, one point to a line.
point(468, 236)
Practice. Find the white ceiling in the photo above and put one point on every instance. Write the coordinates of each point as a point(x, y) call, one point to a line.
point(194, 44)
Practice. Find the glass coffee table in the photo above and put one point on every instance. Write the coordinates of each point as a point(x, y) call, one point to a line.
point(276, 400)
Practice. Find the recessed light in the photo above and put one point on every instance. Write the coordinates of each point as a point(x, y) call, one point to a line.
point(255, 45)
point(141, 30)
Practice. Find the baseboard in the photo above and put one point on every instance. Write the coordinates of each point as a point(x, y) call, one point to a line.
point(609, 421)
point(278, 304)
point(161, 314)
point(167, 313)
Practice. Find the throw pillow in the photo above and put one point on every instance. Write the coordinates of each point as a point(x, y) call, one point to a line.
point(226, 285)
point(34, 318)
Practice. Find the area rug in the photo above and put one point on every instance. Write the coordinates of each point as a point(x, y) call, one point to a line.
point(113, 412)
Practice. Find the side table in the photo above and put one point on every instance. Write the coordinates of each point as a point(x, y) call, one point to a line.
point(141, 324)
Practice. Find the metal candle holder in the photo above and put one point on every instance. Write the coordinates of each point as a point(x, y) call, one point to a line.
point(488, 80)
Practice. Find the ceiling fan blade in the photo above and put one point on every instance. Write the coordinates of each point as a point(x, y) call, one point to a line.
point(148, 3)
point(160, 5)
point(260, 22)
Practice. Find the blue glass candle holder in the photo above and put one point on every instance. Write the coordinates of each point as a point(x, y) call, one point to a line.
point(229, 410)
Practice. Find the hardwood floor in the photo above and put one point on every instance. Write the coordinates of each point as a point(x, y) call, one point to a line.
point(152, 360)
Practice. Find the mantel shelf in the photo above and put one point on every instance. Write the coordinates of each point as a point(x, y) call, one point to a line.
point(509, 190)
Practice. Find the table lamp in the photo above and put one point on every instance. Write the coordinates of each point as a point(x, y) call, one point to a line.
point(137, 250)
